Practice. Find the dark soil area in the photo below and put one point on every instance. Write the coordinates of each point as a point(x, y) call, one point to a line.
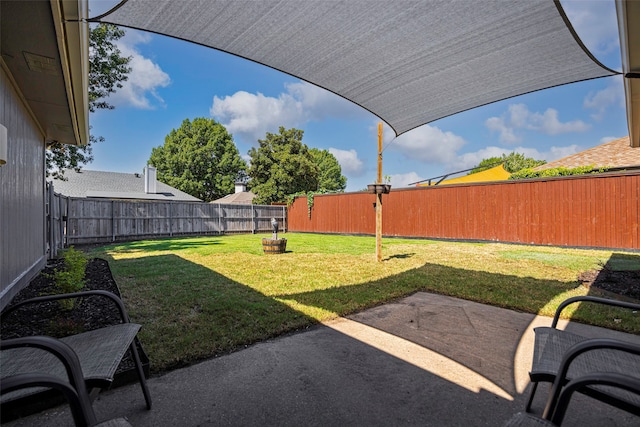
point(50, 318)
point(625, 283)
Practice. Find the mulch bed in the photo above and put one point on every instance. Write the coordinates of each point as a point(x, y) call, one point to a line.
point(625, 283)
point(51, 319)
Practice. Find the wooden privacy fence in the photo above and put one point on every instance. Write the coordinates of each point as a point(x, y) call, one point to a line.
point(585, 211)
point(56, 206)
point(86, 221)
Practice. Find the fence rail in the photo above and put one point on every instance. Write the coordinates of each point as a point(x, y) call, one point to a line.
point(87, 221)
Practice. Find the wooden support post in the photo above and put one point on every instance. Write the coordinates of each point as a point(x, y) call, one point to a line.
point(379, 198)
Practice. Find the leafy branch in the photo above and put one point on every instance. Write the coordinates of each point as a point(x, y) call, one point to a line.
point(561, 171)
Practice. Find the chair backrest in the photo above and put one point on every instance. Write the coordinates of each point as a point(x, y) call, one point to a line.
point(611, 379)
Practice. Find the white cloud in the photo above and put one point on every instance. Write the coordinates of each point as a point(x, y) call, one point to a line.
point(606, 139)
point(556, 153)
point(518, 116)
point(548, 123)
point(596, 24)
point(253, 115)
point(427, 144)
point(404, 179)
point(507, 135)
point(471, 160)
point(145, 78)
point(320, 104)
point(601, 101)
point(250, 116)
point(349, 162)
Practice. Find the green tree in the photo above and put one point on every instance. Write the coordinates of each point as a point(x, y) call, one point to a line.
point(330, 176)
point(199, 158)
point(281, 165)
point(107, 70)
point(512, 162)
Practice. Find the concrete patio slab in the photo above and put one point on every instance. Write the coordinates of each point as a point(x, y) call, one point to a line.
point(425, 360)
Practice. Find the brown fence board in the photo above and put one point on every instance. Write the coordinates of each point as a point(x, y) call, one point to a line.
point(589, 211)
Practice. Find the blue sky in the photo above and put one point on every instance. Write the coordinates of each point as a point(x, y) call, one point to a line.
point(173, 80)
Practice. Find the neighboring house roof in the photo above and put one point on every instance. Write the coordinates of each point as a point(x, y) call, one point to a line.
point(241, 198)
point(115, 185)
point(616, 154)
point(497, 173)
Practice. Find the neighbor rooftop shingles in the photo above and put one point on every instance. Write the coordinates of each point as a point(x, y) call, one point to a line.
point(617, 153)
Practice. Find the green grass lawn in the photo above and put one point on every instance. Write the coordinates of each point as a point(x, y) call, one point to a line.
point(200, 297)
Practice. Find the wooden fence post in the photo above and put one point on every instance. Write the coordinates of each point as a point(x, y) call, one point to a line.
point(113, 222)
point(379, 198)
point(284, 219)
point(50, 228)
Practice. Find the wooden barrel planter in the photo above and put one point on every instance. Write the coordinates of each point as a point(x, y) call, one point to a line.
point(274, 246)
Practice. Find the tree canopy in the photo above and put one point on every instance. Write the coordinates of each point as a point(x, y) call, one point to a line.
point(513, 162)
point(281, 165)
point(107, 70)
point(330, 176)
point(199, 158)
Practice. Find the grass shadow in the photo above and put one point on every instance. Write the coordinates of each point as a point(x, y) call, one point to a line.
point(400, 256)
point(619, 278)
point(190, 313)
point(164, 244)
point(623, 262)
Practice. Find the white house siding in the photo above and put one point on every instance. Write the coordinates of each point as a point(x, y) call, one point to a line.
point(22, 195)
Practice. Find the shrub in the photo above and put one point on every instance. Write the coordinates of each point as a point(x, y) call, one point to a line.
point(70, 278)
point(561, 171)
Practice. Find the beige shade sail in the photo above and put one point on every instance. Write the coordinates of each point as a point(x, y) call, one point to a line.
point(408, 62)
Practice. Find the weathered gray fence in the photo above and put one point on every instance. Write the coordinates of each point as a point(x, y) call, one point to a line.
point(86, 221)
point(56, 207)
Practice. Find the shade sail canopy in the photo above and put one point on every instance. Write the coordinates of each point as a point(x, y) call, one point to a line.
point(408, 62)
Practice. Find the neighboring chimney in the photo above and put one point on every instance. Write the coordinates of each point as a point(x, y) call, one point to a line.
point(241, 187)
point(150, 179)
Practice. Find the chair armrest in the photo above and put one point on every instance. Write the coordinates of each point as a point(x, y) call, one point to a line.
point(123, 312)
point(597, 300)
point(83, 415)
point(575, 351)
point(601, 378)
point(69, 359)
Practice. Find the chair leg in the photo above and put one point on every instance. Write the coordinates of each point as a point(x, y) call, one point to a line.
point(534, 386)
point(141, 377)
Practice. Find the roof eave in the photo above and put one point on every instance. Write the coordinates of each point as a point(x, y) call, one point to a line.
point(628, 13)
point(72, 32)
